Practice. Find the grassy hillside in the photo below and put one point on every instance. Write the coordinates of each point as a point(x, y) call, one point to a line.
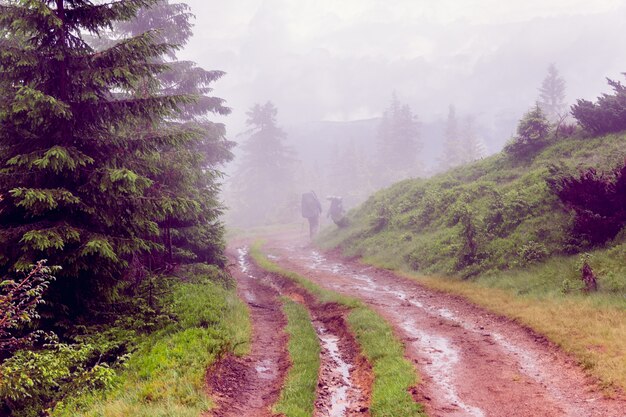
point(496, 214)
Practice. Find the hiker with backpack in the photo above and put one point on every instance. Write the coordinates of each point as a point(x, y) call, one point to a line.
point(311, 210)
point(336, 211)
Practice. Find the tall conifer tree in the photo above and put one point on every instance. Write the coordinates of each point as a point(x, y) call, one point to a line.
point(263, 185)
point(398, 143)
point(552, 94)
point(190, 226)
point(452, 149)
point(77, 142)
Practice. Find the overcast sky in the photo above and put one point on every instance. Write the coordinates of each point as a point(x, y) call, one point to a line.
point(341, 59)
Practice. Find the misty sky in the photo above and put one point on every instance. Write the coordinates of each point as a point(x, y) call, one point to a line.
point(341, 59)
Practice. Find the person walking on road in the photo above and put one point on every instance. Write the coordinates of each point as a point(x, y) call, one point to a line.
point(311, 210)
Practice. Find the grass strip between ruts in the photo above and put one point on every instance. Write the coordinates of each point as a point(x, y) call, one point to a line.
point(393, 374)
point(297, 397)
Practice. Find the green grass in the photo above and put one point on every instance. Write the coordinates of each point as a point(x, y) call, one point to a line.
point(165, 375)
point(297, 397)
point(394, 375)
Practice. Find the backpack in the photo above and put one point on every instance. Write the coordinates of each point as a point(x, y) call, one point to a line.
point(310, 205)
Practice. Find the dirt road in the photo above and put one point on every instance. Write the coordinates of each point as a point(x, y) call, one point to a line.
point(247, 387)
point(473, 363)
point(250, 386)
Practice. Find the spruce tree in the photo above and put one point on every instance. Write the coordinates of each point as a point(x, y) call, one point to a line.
point(398, 143)
point(532, 134)
point(552, 94)
point(452, 148)
point(472, 147)
point(77, 142)
point(190, 227)
point(263, 185)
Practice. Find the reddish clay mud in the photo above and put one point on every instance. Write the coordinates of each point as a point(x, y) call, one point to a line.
point(248, 387)
point(472, 362)
point(345, 377)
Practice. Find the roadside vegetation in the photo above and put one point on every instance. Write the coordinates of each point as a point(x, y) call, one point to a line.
point(110, 171)
point(393, 374)
point(535, 232)
point(157, 371)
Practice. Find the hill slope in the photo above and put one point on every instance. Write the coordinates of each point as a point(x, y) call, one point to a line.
point(494, 215)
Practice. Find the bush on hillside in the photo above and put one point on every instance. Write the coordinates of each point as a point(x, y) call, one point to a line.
point(598, 201)
point(533, 252)
point(532, 134)
point(607, 115)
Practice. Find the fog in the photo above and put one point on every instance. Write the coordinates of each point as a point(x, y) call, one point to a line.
point(340, 60)
point(324, 62)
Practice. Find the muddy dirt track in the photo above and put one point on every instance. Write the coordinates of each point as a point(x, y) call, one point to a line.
point(249, 387)
point(472, 363)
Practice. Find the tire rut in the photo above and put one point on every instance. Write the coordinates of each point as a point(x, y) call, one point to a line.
point(345, 377)
point(249, 386)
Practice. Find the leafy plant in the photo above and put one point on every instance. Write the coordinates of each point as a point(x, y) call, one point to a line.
point(33, 380)
point(533, 252)
point(18, 307)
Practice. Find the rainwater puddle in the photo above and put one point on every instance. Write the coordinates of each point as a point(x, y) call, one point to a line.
point(265, 368)
point(242, 254)
point(336, 377)
point(442, 358)
point(249, 296)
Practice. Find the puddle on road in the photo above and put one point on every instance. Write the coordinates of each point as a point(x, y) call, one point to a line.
point(442, 358)
point(249, 296)
point(242, 254)
point(335, 375)
point(266, 369)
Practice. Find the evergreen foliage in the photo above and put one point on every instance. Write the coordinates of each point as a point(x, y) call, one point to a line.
point(552, 94)
point(84, 136)
point(598, 200)
point(188, 172)
point(607, 115)
point(263, 185)
point(398, 143)
point(452, 155)
point(532, 134)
